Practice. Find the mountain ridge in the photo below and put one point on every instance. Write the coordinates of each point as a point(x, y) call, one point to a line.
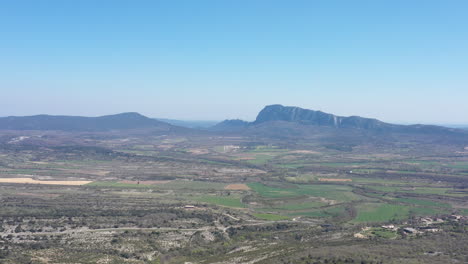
point(197, 124)
point(270, 120)
point(122, 121)
point(277, 116)
point(236, 124)
point(279, 112)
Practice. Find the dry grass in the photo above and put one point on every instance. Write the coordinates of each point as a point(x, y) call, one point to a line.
point(144, 182)
point(245, 158)
point(89, 172)
point(165, 146)
point(32, 181)
point(50, 195)
point(239, 186)
point(334, 180)
point(304, 152)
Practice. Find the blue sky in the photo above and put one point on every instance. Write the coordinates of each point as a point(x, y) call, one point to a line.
point(399, 61)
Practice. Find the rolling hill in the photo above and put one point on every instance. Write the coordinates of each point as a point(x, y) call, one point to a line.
point(121, 121)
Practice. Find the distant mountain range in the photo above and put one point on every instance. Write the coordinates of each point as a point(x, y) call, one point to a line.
point(273, 121)
point(311, 117)
point(189, 123)
point(456, 126)
point(230, 124)
point(278, 113)
point(288, 122)
point(79, 123)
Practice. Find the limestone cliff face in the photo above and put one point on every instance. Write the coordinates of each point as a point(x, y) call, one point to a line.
point(285, 122)
point(311, 117)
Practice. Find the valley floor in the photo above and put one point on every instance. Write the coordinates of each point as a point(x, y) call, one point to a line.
point(174, 199)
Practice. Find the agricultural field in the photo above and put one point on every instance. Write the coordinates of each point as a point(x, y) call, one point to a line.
point(222, 200)
point(370, 213)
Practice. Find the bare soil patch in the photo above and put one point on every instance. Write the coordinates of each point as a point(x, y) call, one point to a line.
point(33, 181)
point(165, 146)
point(198, 151)
point(239, 186)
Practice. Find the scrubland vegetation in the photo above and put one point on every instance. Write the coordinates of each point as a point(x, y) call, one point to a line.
point(165, 199)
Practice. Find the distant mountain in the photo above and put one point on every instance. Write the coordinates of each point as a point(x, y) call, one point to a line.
point(230, 124)
point(189, 123)
point(274, 121)
point(80, 123)
point(294, 122)
point(311, 117)
point(457, 126)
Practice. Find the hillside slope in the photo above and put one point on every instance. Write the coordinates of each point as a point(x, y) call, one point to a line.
point(79, 123)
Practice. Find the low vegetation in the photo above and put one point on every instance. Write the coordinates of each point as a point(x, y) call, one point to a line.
point(181, 199)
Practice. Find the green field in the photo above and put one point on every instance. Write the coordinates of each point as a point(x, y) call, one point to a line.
point(290, 165)
point(418, 190)
point(260, 159)
point(428, 211)
point(299, 206)
point(383, 233)
point(423, 202)
point(380, 212)
point(342, 164)
point(329, 191)
point(192, 185)
point(379, 180)
point(321, 213)
point(222, 201)
point(271, 217)
point(459, 165)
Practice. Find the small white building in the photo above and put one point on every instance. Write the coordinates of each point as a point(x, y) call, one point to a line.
point(391, 227)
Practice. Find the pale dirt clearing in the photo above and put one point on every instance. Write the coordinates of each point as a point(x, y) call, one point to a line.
point(32, 181)
point(198, 151)
point(239, 186)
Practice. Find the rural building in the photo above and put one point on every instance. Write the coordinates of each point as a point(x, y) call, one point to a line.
point(410, 230)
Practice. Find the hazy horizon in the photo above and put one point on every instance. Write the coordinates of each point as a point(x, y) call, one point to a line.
point(455, 125)
point(396, 61)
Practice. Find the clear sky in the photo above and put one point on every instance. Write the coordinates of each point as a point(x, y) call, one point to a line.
point(399, 61)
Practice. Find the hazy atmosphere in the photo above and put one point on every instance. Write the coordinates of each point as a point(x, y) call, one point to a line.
point(233, 132)
point(402, 61)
